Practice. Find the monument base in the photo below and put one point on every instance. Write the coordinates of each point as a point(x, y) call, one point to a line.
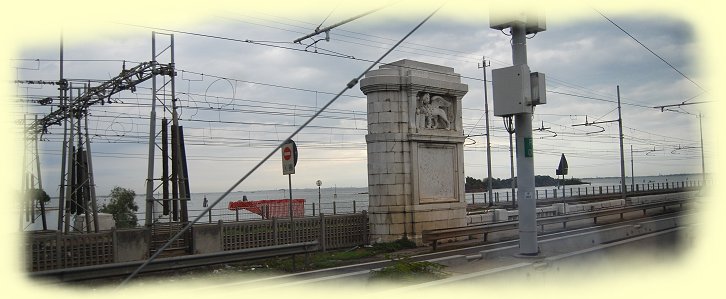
point(415, 150)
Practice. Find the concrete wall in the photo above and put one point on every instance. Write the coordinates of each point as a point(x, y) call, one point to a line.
point(105, 222)
point(131, 244)
point(206, 238)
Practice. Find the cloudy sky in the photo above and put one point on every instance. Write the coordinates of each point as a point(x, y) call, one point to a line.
point(240, 99)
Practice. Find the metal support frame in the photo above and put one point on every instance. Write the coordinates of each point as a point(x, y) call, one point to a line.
point(31, 181)
point(173, 181)
point(77, 188)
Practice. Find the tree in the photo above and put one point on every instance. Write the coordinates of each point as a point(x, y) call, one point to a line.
point(122, 206)
point(38, 195)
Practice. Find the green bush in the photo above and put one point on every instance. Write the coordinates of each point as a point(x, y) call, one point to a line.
point(406, 270)
point(122, 207)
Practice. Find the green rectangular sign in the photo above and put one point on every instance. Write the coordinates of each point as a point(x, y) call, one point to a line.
point(528, 151)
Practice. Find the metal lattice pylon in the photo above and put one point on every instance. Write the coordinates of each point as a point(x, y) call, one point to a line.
point(171, 205)
point(32, 206)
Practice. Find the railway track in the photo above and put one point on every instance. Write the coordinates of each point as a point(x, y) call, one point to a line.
point(450, 254)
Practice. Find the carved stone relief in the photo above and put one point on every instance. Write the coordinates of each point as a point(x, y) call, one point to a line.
point(434, 112)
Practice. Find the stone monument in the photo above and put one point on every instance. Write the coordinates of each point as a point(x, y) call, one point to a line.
point(415, 149)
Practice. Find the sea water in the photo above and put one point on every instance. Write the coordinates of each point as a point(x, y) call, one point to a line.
point(332, 200)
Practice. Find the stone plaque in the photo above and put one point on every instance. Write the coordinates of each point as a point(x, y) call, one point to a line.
point(436, 173)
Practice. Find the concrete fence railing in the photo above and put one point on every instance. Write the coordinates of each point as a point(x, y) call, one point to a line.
point(54, 250)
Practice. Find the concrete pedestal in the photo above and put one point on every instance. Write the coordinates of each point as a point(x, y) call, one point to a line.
point(415, 149)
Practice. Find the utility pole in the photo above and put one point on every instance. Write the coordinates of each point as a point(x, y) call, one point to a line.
point(509, 125)
point(632, 170)
point(152, 142)
point(622, 155)
point(525, 158)
point(700, 126)
point(703, 160)
point(486, 119)
point(40, 181)
point(516, 92)
point(62, 94)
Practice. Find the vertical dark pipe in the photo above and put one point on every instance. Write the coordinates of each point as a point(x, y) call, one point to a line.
point(165, 164)
point(185, 176)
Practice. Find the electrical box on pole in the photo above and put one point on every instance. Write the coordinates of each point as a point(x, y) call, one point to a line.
point(511, 88)
point(515, 90)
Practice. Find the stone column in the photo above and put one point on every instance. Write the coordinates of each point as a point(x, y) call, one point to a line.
point(415, 149)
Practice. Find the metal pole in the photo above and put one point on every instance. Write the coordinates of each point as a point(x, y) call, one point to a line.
point(71, 165)
point(486, 119)
point(82, 169)
point(152, 135)
point(292, 226)
point(181, 157)
point(632, 170)
point(63, 105)
point(26, 201)
point(510, 129)
point(319, 206)
point(40, 181)
point(703, 160)
point(622, 155)
point(525, 157)
point(91, 183)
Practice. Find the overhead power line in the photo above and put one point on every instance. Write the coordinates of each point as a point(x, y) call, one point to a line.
point(649, 50)
point(327, 29)
point(348, 86)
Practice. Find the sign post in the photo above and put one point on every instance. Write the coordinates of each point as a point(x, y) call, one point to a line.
point(562, 169)
point(289, 160)
point(319, 183)
point(289, 157)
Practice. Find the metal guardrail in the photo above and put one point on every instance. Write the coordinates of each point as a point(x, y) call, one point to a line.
point(432, 236)
point(173, 263)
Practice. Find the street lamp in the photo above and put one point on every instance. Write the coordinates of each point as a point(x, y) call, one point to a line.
point(319, 183)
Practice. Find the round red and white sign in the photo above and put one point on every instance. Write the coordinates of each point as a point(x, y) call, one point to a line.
point(286, 153)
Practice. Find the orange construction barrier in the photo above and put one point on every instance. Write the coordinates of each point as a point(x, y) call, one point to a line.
point(271, 208)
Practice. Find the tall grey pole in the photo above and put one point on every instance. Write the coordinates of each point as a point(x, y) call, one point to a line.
point(180, 159)
point(64, 145)
point(27, 201)
point(703, 160)
point(622, 155)
point(40, 180)
point(71, 164)
point(525, 156)
point(152, 135)
point(632, 170)
point(510, 129)
point(489, 147)
point(91, 183)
